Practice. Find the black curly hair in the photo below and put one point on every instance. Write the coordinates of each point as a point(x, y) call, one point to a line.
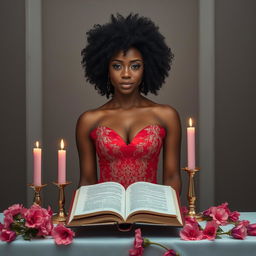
point(104, 41)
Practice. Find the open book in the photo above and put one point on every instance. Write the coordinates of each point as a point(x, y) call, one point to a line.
point(109, 202)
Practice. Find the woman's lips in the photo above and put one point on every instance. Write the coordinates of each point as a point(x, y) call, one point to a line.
point(126, 85)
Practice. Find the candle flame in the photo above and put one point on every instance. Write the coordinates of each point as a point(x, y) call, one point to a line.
point(62, 144)
point(190, 122)
point(37, 144)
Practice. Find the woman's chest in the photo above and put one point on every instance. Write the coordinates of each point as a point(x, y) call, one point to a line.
point(147, 142)
point(128, 124)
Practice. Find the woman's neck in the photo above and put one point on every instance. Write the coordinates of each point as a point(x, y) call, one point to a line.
point(124, 101)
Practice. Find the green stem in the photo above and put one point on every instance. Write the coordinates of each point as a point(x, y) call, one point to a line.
point(159, 245)
point(224, 233)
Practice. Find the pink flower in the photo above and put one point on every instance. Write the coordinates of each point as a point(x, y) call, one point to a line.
point(8, 220)
point(224, 206)
point(135, 252)
point(50, 212)
point(46, 228)
point(191, 232)
point(239, 232)
point(234, 216)
point(220, 215)
point(170, 253)
point(244, 222)
point(14, 210)
point(210, 230)
point(62, 235)
point(220, 208)
point(251, 229)
point(184, 210)
point(190, 220)
point(208, 211)
point(138, 244)
point(7, 235)
point(39, 218)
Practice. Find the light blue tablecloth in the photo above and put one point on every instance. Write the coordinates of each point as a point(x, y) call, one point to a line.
point(99, 241)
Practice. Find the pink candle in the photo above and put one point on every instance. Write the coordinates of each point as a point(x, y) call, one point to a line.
point(37, 152)
point(62, 164)
point(191, 145)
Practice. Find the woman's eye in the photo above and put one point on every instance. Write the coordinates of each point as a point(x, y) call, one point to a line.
point(135, 66)
point(116, 66)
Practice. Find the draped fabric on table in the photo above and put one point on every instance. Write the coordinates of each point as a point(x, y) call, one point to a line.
point(98, 241)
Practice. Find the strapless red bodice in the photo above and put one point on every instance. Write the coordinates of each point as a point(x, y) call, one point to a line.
point(128, 163)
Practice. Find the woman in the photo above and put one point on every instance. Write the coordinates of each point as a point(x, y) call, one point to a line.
point(124, 59)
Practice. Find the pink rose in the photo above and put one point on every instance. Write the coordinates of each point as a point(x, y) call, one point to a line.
point(210, 230)
point(135, 252)
point(7, 235)
point(244, 222)
point(208, 211)
point(184, 210)
point(62, 235)
point(50, 212)
point(220, 215)
point(46, 228)
point(8, 220)
point(251, 229)
point(234, 216)
point(39, 218)
point(191, 232)
point(170, 253)
point(14, 210)
point(224, 206)
point(212, 209)
point(190, 220)
point(239, 232)
point(138, 244)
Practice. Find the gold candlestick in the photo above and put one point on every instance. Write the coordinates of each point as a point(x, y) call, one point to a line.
point(37, 197)
point(61, 216)
point(191, 193)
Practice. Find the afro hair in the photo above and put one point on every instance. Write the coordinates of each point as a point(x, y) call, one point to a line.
point(120, 34)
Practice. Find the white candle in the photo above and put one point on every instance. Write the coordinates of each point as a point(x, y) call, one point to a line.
point(191, 145)
point(37, 153)
point(62, 164)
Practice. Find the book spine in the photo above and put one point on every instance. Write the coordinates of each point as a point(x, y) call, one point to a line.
point(124, 227)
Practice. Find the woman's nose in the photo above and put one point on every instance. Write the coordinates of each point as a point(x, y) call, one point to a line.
point(126, 72)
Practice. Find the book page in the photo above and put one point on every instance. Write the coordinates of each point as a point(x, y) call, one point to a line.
point(107, 196)
point(150, 197)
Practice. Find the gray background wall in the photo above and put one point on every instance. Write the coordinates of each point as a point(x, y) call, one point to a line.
point(12, 104)
point(66, 95)
point(235, 121)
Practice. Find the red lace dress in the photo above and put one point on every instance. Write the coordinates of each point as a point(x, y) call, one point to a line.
point(128, 163)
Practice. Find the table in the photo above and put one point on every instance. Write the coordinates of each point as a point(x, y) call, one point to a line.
point(99, 241)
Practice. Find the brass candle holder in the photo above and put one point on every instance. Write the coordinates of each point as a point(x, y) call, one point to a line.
point(191, 194)
point(37, 197)
point(61, 216)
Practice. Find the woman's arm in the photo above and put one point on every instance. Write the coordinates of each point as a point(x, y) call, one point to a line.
point(171, 148)
point(86, 150)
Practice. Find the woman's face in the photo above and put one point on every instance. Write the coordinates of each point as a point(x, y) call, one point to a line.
point(126, 71)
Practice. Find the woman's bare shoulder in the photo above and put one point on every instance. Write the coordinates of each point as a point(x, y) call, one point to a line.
point(167, 114)
point(165, 109)
point(90, 118)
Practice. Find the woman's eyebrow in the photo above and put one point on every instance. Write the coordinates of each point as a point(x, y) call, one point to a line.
point(130, 61)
